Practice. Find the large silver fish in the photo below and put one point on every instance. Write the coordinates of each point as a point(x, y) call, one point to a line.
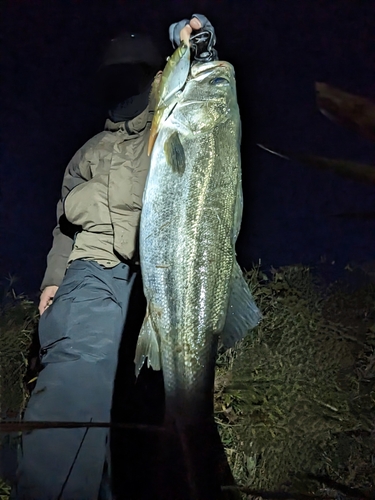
point(192, 209)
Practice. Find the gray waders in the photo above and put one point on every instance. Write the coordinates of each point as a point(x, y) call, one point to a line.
point(80, 335)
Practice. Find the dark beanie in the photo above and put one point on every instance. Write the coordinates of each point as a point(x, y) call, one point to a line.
point(132, 48)
point(127, 67)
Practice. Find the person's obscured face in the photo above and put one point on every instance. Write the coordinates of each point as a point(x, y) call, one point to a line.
point(118, 82)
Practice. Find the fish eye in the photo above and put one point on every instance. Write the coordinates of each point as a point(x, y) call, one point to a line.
point(219, 80)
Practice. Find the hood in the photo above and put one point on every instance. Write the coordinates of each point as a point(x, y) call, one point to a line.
point(128, 66)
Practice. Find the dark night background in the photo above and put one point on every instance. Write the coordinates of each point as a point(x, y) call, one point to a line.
point(279, 49)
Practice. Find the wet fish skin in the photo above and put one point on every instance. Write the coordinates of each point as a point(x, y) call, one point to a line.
point(166, 86)
point(188, 228)
point(190, 221)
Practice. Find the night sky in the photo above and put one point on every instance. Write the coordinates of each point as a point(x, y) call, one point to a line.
point(279, 49)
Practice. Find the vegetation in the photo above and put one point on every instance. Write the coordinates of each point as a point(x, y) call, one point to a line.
point(354, 112)
point(18, 320)
point(294, 402)
point(295, 405)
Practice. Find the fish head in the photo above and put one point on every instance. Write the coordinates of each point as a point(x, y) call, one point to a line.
point(209, 97)
point(206, 99)
point(167, 90)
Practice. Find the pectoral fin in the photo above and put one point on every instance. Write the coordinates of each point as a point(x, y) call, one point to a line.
point(174, 153)
point(243, 315)
point(147, 347)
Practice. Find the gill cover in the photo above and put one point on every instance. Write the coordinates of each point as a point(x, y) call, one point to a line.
point(172, 80)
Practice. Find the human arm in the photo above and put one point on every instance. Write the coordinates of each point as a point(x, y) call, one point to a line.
point(77, 171)
point(57, 257)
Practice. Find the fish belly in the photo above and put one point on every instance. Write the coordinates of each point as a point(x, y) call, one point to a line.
point(187, 252)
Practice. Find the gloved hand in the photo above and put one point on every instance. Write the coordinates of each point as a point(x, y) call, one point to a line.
point(196, 22)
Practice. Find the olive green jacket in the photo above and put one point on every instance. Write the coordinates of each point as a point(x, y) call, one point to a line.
point(102, 192)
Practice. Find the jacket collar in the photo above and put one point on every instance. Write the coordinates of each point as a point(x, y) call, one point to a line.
point(138, 123)
point(131, 127)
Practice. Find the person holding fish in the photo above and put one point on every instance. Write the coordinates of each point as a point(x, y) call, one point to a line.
point(90, 272)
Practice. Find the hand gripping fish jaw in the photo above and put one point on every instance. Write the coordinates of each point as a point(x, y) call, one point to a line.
point(199, 49)
point(202, 43)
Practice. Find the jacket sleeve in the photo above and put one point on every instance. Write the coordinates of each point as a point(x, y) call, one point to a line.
point(57, 258)
point(77, 171)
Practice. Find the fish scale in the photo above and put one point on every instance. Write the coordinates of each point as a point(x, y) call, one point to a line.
point(187, 247)
point(191, 215)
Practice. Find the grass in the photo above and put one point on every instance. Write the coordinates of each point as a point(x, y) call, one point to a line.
point(18, 322)
point(294, 401)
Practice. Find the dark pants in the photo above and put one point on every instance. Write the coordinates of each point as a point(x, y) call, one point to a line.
point(80, 334)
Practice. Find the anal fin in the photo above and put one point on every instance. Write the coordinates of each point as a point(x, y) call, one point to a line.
point(243, 314)
point(147, 347)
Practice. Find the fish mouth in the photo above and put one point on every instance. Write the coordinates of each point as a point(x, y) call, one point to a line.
point(199, 71)
point(203, 69)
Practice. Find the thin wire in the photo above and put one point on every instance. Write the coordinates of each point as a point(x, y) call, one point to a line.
point(73, 464)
